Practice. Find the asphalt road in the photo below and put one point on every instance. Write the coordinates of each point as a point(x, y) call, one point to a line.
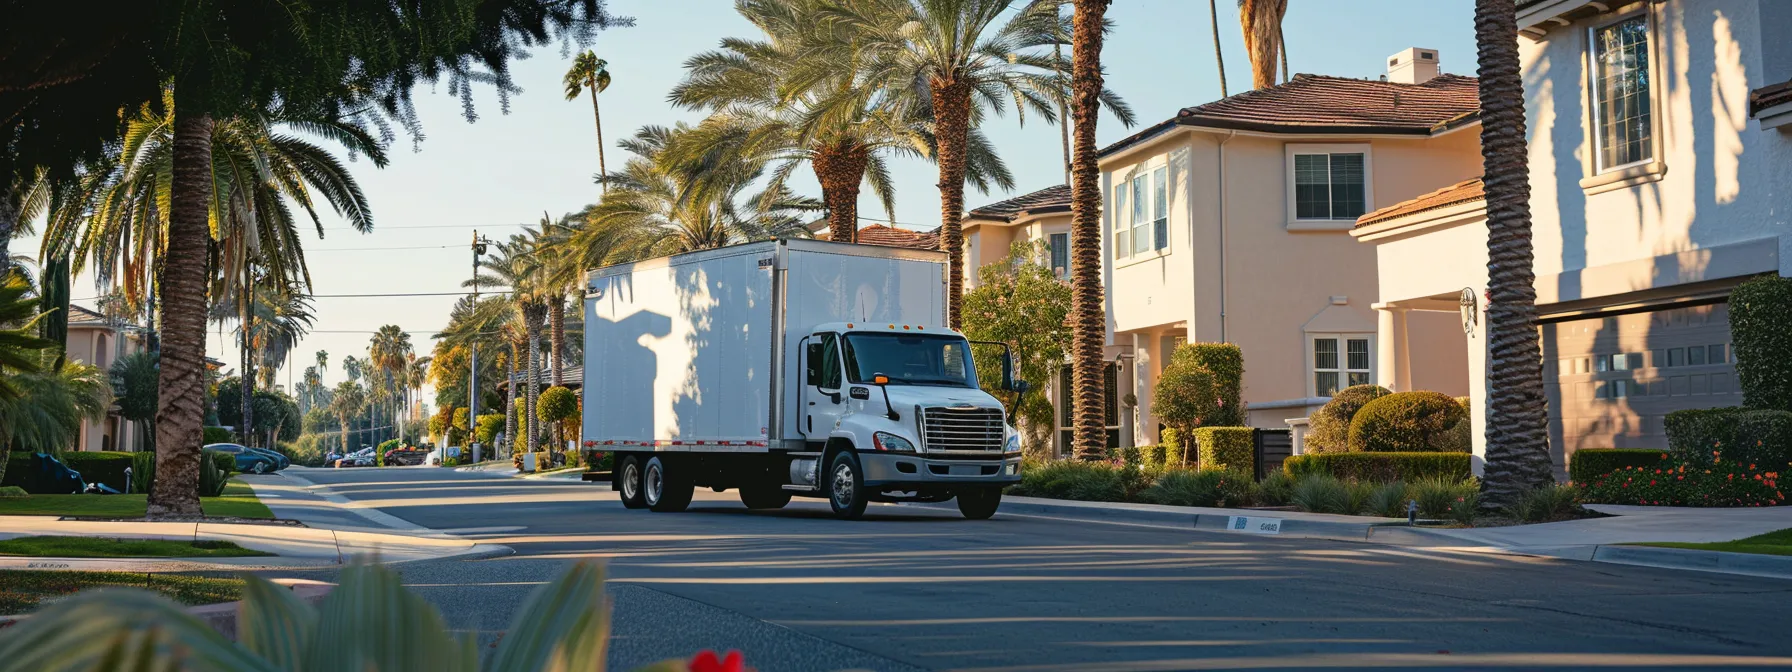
point(912, 588)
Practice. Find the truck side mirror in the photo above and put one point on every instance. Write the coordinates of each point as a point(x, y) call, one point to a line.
point(812, 365)
point(1008, 373)
point(1019, 387)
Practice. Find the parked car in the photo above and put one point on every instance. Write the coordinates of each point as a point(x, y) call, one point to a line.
point(405, 456)
point(248, 460)
point(281, 461)
point(359, 458)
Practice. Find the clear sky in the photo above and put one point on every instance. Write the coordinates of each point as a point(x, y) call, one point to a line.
point(504, 170)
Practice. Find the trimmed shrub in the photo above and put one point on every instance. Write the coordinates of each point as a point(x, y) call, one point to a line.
point(1275, 489)
point(96, 467)
point(1701, 436)
point(1175, 454)
point(1320, 493)
point(1224, 365)
point(1586, 464)
point(1329, 428)
point(1678, 482)
point(1405, 422)
point(225, 462)
point(1380, 467)
point(12, 492)
point(1152, 457)
point(1184, 397)
point(1230, 448)
point(213, 435)
point(1760, 309)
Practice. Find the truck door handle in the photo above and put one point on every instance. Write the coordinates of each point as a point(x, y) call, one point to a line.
point(811, 422)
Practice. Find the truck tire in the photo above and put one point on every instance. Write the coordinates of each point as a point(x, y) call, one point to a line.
point(979, 503)
point(764, 496)
point(626, 481)
point(666, 489)
point(845, 485)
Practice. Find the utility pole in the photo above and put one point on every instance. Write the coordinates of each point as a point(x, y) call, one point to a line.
point(479, 243)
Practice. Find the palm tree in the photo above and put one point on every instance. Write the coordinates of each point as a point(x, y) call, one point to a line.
point(1517, 413)
point(416, 375)
point(346, 404)
point(515, 265)
point(1262, 23)
point(1087, 312)
point(1219, 56)
point(48, 417)
point(390, 354)
point(590, 73)
point(950, 61)
point(353, 368)
point(271, 318)
point(19, 342)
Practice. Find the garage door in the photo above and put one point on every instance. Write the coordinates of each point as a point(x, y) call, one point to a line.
point(1611, 380)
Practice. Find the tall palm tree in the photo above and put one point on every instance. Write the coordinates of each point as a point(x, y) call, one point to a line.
point(47, 418)
point(1086, 309)
point(390, 353)
point(1262, 24)
point(347, 403)
point(590, 73)
point(1219, 56)
point(271, 318)
point(954, 62)
point(19, 342)
point(323, 361)
point(516, 266)
point(416, 376)
point(1517, 413)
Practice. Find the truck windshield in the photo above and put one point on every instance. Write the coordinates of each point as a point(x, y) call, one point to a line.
point(910, 359)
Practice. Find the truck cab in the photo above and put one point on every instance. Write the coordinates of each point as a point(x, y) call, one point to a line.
point(894, 412)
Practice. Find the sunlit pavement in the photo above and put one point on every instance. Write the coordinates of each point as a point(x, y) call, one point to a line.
point(913, 588)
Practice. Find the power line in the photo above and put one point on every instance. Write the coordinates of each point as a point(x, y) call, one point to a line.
point(373, 249)
point(368, 296)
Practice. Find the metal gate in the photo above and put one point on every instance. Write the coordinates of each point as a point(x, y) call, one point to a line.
point(1271, 446)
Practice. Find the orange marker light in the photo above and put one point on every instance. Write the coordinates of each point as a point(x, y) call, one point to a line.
point(892, 326)
point(881, 380)
point(848, 325)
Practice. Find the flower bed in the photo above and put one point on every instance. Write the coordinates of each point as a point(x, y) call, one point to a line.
point(1676, 482)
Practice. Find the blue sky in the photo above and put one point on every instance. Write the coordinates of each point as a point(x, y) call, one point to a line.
point(504, 170)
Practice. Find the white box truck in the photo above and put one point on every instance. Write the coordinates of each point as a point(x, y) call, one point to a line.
point(791, 367)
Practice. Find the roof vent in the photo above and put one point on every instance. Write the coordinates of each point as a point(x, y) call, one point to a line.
point(1413, 66)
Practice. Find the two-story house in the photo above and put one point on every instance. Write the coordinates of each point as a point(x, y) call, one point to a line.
point(1231, 222)
point(1653, 193)
point(100, 341)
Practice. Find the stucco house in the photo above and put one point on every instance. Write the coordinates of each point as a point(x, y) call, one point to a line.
point(1660, 162)
point(98, 340)
point(1231, 221)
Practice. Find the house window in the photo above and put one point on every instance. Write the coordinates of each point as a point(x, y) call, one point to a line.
point(1622, 89)
point(1160, 220)
point(1330, 186)
point(1122, 223)
point(1060, 251)
point(1340, 361)
point(1141, 214)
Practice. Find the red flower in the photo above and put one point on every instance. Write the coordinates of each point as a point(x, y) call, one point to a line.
point(1651, 482)
point(706, 661)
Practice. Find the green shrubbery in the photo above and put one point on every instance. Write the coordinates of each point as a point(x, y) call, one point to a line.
point(96, 467)
point(1758, 435)
point(1175, 452)
point(1329, 428)
point(1201, 487)
point(1230, 448)
point(1586, 464)
point(143, 471)
point(309, 449)
point(1081, 481)
point(1760, 312)
point(1405, 422)
point(1678, 482)
point(213, 435)
point(211, 476)
point(1380, 467)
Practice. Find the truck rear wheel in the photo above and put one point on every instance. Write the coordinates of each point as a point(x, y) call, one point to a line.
point(667, 489)
point(626, 481)
point(764, 496)
point(845, 484)
point(979, 503)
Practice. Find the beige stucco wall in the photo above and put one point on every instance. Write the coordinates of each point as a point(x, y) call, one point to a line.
point(99, 346)
point(1278, 283)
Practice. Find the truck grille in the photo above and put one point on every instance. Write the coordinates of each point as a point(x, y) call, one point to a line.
point(967, 429)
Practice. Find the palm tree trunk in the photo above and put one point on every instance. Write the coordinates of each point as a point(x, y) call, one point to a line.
point(557, 338)
point(603, 174)
point(1088, 319)
point(532, 325)
point(248, 378)
point(952, 127)
point(181, 378)
point(840, 168)
point(1282, 51)
point(1517, 431)
point(1219, 57)
point(516, 361)
point(1261, 21)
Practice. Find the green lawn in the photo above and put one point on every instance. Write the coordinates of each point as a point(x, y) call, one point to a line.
point(102, 547)
point(238, 501)
point(1772, 543)
point(23, 590)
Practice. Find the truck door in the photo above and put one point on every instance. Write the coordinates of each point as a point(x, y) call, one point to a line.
point(823, 400)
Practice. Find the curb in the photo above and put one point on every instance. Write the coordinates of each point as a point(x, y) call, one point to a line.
point(1266, 523)
point(1749, 564)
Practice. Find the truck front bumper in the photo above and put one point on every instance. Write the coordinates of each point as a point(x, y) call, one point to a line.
point(885, 469)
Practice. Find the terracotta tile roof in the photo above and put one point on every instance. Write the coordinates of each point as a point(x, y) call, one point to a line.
point(878, 234)
point(1462, 192)
point(79, 315)
point(1055, 198)
point(1769, 96)
point(1322, 104)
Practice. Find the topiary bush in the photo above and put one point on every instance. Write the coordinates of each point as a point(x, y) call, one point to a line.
point(1380, 467)
point(1152, 457)
point(1405, 422)
point(1586, 464)
point(1760, 311)
point(1175, 453)
point(225, 462)
point(1702, 436)
point(213, 435)
point(1184, 397)
point(1224, 365)
point(1329, 428)
point(1230, 448)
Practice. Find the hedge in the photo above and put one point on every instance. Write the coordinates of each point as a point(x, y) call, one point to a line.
point(1417, 421)
point(1704, 435)
point(1676, 482)
point(96, 467)
point(1330, 425)
point(1381, 467)
point(1175, 454)
point(215, 435)
point(1230, 448)
point(1587, 464)
point(1760, 309)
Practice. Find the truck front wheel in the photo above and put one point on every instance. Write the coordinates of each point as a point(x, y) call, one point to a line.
point(626, 481)
point(766, 495)
point(845, 484)
point(979, 503)
point(667, 489)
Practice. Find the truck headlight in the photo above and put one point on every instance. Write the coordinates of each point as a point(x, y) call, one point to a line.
point(892, 443)
point(1013, 445)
